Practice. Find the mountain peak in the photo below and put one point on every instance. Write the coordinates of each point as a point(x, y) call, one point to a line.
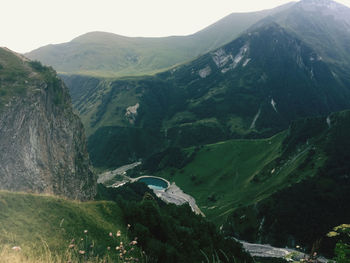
point(317, 2)
point(330, 4)
point(327, 8)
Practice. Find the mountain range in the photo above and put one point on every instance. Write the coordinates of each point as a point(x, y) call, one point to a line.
point(109, 55)
point(250, 116)
point(253, 86)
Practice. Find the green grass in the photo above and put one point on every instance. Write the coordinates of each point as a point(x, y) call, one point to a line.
point(18, 76)
point(39, 222)
point(13, 76)
point(235, 173)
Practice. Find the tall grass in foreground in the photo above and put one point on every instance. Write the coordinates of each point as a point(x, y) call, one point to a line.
point(82, 250)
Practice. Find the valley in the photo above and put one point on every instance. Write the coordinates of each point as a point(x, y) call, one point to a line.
point(231, 144)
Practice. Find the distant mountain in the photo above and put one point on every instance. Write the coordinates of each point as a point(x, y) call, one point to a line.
point(43, 146)
point(252, 87)
point(110, 55)
point(323, 25)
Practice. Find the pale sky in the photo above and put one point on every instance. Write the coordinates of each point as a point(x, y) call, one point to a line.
point(29, 24)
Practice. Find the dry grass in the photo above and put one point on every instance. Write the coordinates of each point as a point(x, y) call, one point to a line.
point(82, 250)
point(7, 254)
point(17, 255)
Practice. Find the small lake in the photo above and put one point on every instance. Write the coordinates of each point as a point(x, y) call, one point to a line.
point(154, 183)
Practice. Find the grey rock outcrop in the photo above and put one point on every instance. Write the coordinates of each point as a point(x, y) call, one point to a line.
point(43, 146)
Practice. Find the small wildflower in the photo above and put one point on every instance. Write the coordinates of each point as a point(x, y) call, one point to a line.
point(110, 234)
point(71, 246)
point(129, 225)
point(117, 248)
point(134, 242)
point(118, 233)
point(85, 231)
point(81, 252)
point(108, 248)
point(121, 243)
point(124, 251)
point(82, 239)
point(73, 240)
point(16, 248)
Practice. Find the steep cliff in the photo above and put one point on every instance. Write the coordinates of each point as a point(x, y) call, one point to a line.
point(42, 141)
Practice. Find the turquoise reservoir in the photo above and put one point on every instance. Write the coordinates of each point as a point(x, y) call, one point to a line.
point(154, 183)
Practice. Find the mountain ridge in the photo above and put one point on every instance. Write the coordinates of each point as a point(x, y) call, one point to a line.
point(120, 55)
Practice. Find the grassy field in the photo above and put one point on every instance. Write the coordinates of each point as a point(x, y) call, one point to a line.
point(235, 173)
point(44, 228)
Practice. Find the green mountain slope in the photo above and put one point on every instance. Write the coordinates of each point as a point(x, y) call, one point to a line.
point(110, 55)
point(236, 173)
point(55, 229)
point(290, 215)
point(38, 222)
point(272, 190)
point(252, 87)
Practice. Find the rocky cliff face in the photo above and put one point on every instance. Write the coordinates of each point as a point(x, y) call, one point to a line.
point(42, 141)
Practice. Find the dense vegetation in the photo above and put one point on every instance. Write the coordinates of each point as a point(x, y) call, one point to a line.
point(341, 234)
point(170, 233)
point(290, 214)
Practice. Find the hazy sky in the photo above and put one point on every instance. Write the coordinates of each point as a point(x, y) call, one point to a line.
point(29, 24)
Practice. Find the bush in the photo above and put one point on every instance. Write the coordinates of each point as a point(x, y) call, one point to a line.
point(170, 233)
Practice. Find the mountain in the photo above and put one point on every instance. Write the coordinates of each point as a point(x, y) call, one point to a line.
point(43, 142)
point(252, 87)
point(111, 55)
point(325, 26)
point(273, 190)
